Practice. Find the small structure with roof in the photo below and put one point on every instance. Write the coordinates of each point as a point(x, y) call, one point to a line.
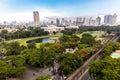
point(116, 54)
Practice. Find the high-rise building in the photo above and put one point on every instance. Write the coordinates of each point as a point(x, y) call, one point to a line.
point(57, 21)
point(36, 18)
point(98, 21)
point(79, 21)
point(108, 19)
point(63, 21)
point(114, 19)
point(86, 21)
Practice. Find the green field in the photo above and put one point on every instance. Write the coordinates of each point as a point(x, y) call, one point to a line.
point(96, 34)
point(23, 41)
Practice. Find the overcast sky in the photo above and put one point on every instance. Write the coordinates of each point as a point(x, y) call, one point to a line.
point(22, 10)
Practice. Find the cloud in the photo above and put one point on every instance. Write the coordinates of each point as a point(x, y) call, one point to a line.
point(9, 11)
point(27, 16)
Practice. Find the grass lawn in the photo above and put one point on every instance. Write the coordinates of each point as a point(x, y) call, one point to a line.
point(53, 37)
point(96, 34)
point(23, 41)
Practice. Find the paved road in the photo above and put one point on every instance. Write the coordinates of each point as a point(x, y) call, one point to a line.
point(32, 73)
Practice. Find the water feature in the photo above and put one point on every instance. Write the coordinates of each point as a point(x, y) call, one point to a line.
point(39, 40)
point(93, 32)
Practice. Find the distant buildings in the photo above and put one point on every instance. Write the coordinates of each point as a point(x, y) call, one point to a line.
point(63, 21)
point(52, 28)
point(86, 21)
point(36, 18)
point(72, 27)
point(98, 21)
point(110, 19)
point(114, 18)
point(105, 20)
point(57, 21)
point(79, 21)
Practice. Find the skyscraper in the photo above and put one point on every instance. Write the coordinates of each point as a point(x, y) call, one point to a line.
point(108, 19)
point(98, 21)
point(36, 18)
point(57, 21)
point(114, 19)
point(86, 21)
point(63, 21)
point(79, 21)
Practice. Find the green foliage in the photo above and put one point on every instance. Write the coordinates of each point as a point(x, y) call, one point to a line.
point(69, 63)
point(87, 39)
point(81, 46)
point(69, 41)
point(43, 78)
point(106, 69)
point(69, 31)
point(4, 32)
point(112, 46)
point(84, 53)
point(4, 69)
point(103, 28)
point(31, 45)
point(33, 32)
point(56, 47)
point(13, 48)
point(42, 57)
point(32, 56)
point(12, 66)
point(118, 39)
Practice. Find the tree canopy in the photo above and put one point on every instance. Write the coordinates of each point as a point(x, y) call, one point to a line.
point(69, 41)
point(69, 63)
point(106, 69)
point(87, 39)
point(43, 78)
point(12, 66)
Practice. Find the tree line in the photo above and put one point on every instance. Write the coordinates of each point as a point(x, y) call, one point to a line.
point(30, 32)
point(82, 29)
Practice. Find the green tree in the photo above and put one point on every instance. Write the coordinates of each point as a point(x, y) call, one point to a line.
point(87, 39)
point(81, 46)
point(106, 69)
point(12, 66)
point(4, 69)
point(111, 47)
point(69, 41)
point(4, 31)
point(18, 65)
point(13, 48)
point(31, 45)
point(69, 63)
point(43, 78)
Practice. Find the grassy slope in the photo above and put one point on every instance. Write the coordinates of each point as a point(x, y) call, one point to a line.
point(98, 34)
point(23, 41)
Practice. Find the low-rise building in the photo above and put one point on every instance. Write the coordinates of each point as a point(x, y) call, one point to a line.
point(53, 28)
point(72, 27)
point(116, 54)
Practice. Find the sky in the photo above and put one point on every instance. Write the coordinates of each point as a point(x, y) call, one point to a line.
point(22, 10)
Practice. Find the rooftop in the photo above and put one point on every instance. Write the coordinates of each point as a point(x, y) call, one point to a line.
point(116, 54)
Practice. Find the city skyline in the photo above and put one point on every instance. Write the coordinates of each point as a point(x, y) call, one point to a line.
point(22, 10)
